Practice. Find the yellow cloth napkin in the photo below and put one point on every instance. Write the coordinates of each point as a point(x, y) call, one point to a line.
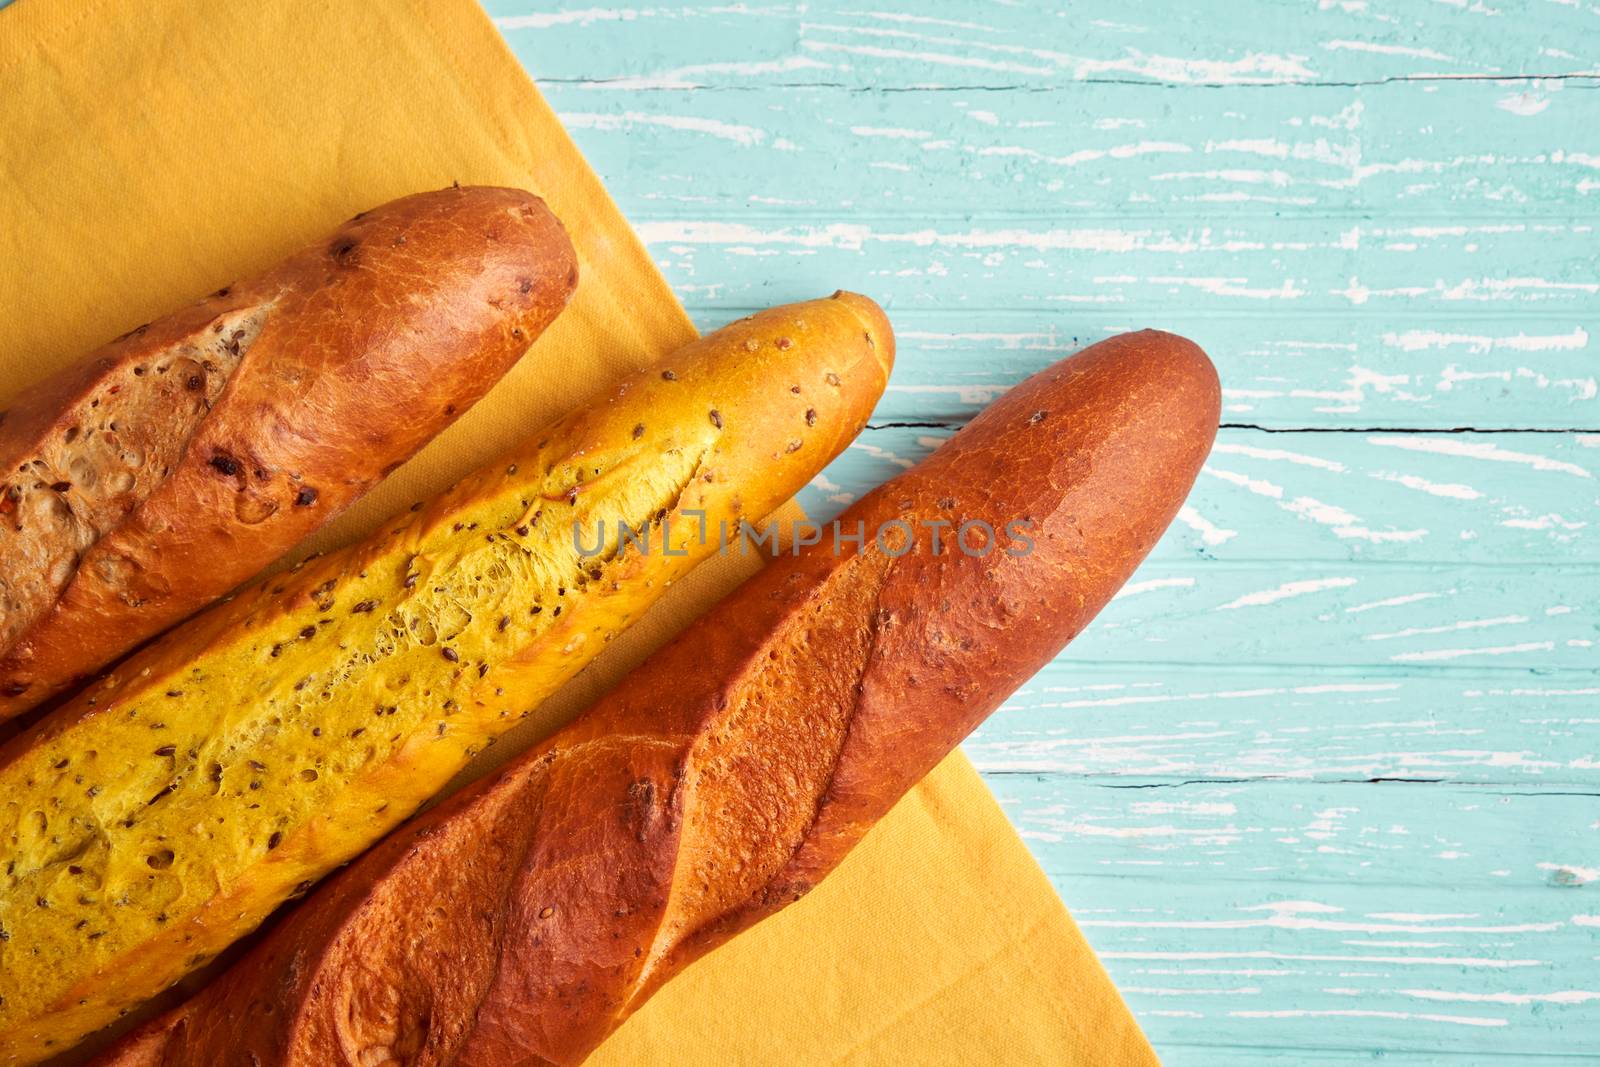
point(154, 150)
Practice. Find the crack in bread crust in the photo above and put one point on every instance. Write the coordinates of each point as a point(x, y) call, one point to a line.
point(170, 466)
point(102, 457)
point(758, 774)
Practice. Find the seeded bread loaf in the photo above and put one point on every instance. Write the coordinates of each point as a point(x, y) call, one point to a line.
point(160, 815)
point(523, 920)
point(179, 460)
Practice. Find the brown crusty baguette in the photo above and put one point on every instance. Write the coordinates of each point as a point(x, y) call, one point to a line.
point(161, 471)
point(525, 919)
point(163, 813)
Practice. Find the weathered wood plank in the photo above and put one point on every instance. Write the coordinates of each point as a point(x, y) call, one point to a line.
point(1286, 267)
point(1353, 935)
point(1340, 837)
point(906, 43)
point(1178, 1053)
point(1144, 726)
point(1312, 328)
point(1515, 619)
point(1422, 202)
point(1515, 151)
point(1449, 370)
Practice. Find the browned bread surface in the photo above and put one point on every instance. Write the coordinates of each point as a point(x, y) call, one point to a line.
point(180, 459)
point(525, 919)
point(162, 813)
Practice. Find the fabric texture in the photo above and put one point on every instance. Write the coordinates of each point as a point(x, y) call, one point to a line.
point(156, 150)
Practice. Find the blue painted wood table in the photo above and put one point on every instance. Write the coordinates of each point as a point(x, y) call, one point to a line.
point(1323, 784)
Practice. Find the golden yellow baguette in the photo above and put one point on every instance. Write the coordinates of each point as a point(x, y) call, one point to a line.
point(163, 814)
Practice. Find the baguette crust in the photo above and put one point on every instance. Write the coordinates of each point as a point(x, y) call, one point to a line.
point(735, 768)
point(228, 431)
point(163, 813)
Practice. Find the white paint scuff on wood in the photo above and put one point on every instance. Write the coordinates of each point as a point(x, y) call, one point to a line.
point(1286, 590)
point(1478, 450)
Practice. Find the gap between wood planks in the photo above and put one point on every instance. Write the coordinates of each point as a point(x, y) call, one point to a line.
point(1401, 429)
point(1400, 1055)
point(956, 423)
point(1581, 80)
point(1106, 781)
